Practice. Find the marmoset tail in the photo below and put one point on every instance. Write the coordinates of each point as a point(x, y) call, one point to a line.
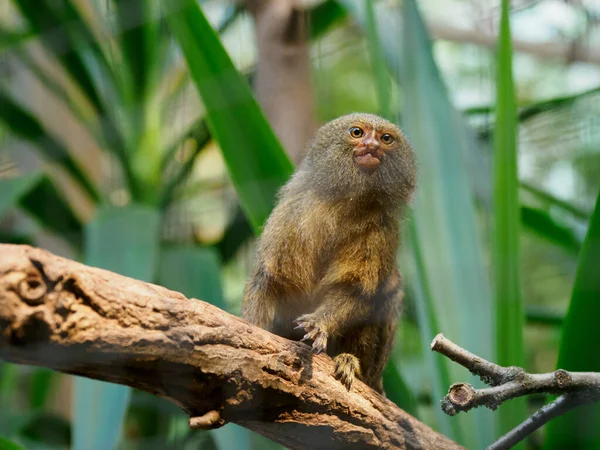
point(325, 267)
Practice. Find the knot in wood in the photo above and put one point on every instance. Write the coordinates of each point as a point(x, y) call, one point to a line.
point(461, 394)
point(32, 289)
point(562, 379)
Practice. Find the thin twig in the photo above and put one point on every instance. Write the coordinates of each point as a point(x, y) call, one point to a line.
point(538, 419)
point(577, 388)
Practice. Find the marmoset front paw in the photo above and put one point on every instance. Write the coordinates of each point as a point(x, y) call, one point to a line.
point(315, 333)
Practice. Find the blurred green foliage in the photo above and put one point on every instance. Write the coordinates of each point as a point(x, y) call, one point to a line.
point(171, 168)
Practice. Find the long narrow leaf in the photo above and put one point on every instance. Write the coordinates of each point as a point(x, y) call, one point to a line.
point(6, 444)
point(66, 35)
point(12, 189)
point(551, 200)
point(438, 366)
point(25, 125)
point(38, 196)
point(257, 164)
point(126, 241)
point(52, 210)
point(201, 136)
point(394, 385)
point(510, 317)
point(542, 224)
point(453, 271)
point(579, 350)
point(446, 237)
point(323, 16)
point(45, 21)
point(140, 42)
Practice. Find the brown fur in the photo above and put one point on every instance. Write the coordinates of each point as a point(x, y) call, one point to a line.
point(327, 257)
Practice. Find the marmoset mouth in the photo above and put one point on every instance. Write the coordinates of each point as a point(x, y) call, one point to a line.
point(367, 159)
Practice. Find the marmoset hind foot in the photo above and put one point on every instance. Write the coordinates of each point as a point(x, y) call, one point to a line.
point(347, 368)
point(325, 270)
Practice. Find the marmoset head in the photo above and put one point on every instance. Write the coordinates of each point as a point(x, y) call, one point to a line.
point(363, 156)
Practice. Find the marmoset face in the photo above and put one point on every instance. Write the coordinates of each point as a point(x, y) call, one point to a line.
point(370, 144)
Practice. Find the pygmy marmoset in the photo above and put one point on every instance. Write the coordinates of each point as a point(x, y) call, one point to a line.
point(325, 266)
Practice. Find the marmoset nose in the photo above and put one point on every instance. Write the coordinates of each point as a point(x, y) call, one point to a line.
point(371, 143)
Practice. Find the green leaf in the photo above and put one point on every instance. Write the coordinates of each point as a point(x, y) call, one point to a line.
point(378, 62)
point(6, 444)
point(543, 315)
point(67, 36)
point(47, 19)
point(12, 189)
point(9, 380)
point(40, 385)
point(552, 201)
point(12, 38)
point(201, 136)
point(238, 231)
point(25, 125)
point(49, 206)
point(452, 274)
point(451, 280)
point(542, 224)
point(323, 16)
point(397, 390)
point(140, 41)
point(257, 164)
point(125, 241)
point(193, 271)
point(47, 430)
point(579, 351)
point(232, 436)
point(394, 385)
point(439, 367)
point(510, 318)
point(36, 194)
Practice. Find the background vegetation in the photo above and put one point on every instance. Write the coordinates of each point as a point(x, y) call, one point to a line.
point(130, 140)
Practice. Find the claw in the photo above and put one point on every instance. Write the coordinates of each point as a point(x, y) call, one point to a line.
point(347, 367)
point(314, 333)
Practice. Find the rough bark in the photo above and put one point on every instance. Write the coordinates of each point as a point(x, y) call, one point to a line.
point(86, 321)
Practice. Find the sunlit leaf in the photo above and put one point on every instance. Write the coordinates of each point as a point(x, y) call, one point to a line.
point(510, 317)
point(258, 166)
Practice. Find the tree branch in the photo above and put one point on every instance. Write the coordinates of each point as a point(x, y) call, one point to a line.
point(216, 367)
point(577, 388)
